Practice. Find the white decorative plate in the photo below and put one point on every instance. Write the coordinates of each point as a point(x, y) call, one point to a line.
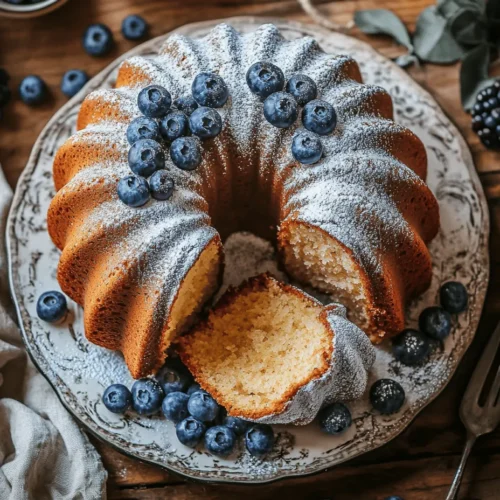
point(80, 371)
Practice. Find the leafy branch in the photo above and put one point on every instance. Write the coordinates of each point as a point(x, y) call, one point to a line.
point(451, 30)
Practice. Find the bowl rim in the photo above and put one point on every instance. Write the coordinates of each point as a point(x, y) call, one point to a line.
point(29, 10)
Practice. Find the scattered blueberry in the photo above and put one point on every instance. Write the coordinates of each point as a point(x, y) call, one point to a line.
point(435, 322)
point(202, 406)
point(4, 76)
point(186, 104)
point(193, 388)
point(209, 90)
point(302, 88)
point(174, 377)
point(454, 297)
point(133, 191)
point(117, 398)
point(205, 123)
point(319, 117)
point(259, 440)
point(174, 406)
point(134, 27)
point(393, 498)
point(161, 185)
point(335, 418)
point(190, 431)
point(387, 396)
point(143, 128)
point(486, 116)
point(4, 95)
point(174, 125)
point(73, 81)
point(411, 347)
point(307, 147)
point(220, 440)
point(280, 109)
point(52, 307)
point(185, 153)
point(154, 101)
point(97, 40)
point(147, 396)
point(145, 157)
point(33, 90)
point(264, 78)
point(236, 424)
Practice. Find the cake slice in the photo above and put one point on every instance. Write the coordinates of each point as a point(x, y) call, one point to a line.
point(270, 353)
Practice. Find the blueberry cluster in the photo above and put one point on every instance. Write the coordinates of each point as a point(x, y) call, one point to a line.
point(161, 127)
point(281, 108)
point(412, 347)
point(486, 116)
point(196, 415)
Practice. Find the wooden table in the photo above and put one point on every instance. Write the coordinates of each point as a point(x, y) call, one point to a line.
point(421, 462)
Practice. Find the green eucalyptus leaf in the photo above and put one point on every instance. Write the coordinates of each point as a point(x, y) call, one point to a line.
point(383, 22)
point(474, 74)
point(468, 27)
point(433, 41)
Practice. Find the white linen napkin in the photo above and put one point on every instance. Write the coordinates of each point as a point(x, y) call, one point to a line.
point(43, 453)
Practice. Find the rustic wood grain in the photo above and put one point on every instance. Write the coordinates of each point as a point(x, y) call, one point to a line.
point(420, 463)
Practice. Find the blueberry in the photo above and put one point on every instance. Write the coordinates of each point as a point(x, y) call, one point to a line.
point(147, 396)
point(52, 307)
point(174, 406)
point(145, 157)
point(307, 147)
point(335, 418)
point(143, 128)
point(133, 191)
point(117, 398)
point(186, 104)
point(73, 81)
point(280, 109)
point(302, 88)
point(33, 90)
point(411, 347)
point(174, 125)
point(393, 498)
point(161, 185)
point(4, 76)
point(185, 153)
point(209, 90)
point(134, 27)
point(202, 406)
point(236, 424)
point(259, 440)
point(387, 396)
point(190, 431)
point(154, 101)
point(194, 388)
point(435, 322)
point(174, 377)
point(220, 440)
point(453, 297)
point(319, 117)
point(264, 78)
point(97, 40)
point(205, 123)
point(4, 95)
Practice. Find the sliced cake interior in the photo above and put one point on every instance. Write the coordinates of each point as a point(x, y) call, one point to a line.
point(259, 345)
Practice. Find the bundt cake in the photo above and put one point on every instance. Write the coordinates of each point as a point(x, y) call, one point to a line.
point(354, 225)
point(242, 354)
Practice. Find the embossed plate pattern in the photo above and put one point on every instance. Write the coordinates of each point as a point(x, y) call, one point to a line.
point(79, 371)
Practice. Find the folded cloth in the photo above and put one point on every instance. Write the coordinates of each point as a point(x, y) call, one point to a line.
point(43, 453)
